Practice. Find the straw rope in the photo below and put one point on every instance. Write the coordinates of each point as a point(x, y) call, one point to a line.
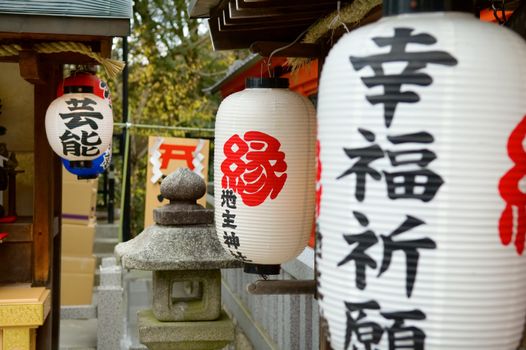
point(112, 67)
point(9, 50)
point(350, 14)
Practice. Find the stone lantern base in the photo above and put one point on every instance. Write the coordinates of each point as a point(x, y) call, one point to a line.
point(199, 301)
point(185, 255)
point(194, 335)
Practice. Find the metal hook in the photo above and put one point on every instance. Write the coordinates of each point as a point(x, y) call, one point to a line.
point(283, 48)
point(336, 19)
point(502, 20)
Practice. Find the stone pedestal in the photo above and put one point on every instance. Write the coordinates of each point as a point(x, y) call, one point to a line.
point(203, 335)
point(185, 256)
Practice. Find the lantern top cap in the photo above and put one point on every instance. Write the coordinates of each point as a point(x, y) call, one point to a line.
point(183, 188)
point(78, 89)
point(397, 7)
point(266, 83)
point(183, 185)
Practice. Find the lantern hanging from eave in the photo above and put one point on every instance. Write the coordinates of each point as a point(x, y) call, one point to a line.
point(79, 126)
point(86, 82)
point(422, 217)
point(89, 169)
point(264, 170)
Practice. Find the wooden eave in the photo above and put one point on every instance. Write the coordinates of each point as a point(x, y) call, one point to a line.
point(53, 26)
point(27, 30)
point(236, 24)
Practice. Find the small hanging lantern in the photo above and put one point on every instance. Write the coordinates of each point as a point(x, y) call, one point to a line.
point(265, 171)
point(422, 153)
point(86, 82)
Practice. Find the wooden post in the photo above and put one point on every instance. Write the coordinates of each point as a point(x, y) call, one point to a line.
point(43, 183)
point(55, 279)
point(46, 194)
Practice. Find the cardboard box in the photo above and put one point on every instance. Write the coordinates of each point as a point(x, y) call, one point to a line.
point(79, 202)
point(77, 264)
point(76, 288)
point(77, 240)
point(76, 275)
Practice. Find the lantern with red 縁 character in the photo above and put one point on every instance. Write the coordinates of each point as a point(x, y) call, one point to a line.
point(422, 216)
point(264, 170)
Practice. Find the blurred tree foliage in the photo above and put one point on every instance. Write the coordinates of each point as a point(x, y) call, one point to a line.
point(170, 62)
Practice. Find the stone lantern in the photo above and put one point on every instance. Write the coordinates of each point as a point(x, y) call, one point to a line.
point(183, 252)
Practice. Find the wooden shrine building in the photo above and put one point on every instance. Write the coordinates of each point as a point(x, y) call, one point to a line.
point(36, 40)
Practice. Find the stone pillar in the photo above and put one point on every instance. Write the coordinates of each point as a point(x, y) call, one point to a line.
point(183, 252)
point(110, 317)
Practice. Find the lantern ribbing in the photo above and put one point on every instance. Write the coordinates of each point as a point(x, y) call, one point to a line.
point(422, 223)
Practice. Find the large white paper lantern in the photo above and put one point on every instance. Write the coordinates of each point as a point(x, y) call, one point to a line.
point(264, 172)
point(79, 126)
point(423, 213)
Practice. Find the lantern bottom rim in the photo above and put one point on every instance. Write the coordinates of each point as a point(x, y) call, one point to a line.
point(260, 269)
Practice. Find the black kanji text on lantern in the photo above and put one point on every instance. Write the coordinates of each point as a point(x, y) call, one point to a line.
point(228, 219)
point(228, 198)
point(411, 74)
point(407, 176)
point(230, 238)
point(82, 113)
point(367, 333)
point(421, 183)
point(363, 241)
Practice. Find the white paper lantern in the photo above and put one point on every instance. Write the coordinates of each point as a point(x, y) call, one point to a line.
point(421, 125)
point(79, 126)
point(264, 170)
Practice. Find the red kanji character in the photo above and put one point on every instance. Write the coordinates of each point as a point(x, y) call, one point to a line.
point(319, 187)
point(511, 193)
point(251, 165)
point(234, 166)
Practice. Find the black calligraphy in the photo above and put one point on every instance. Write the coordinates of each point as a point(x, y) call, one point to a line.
point(367, 333)
point(410, 75)
point(421, 183)
point(404, 162)
point(363, 241)
point(230, 238)
point(83, 143)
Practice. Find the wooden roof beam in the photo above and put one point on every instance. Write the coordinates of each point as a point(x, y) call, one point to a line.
point(30, 67)
point(225, 24)
point(237, 11)
point(287, 3)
